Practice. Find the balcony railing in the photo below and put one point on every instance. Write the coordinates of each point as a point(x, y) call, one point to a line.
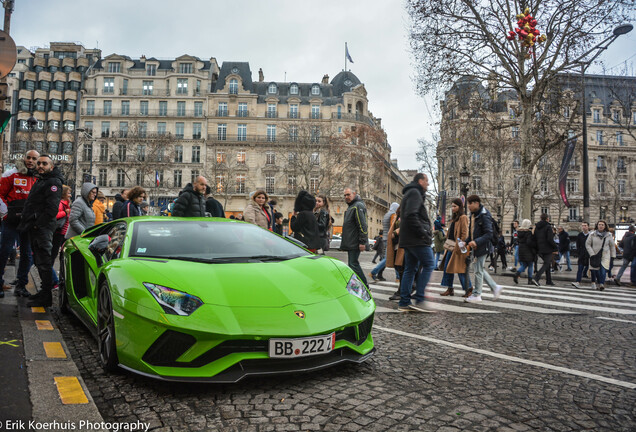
point(283, 138)
point(271, 114)
point(145, 113)
point(352, 117)
point(146, 92)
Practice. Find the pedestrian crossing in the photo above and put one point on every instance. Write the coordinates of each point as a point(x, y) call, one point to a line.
point(542, 300)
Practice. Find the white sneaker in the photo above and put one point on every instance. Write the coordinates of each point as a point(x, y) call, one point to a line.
point(576, 285)
point(593, 285)
point(496, 292)
point(473, 298)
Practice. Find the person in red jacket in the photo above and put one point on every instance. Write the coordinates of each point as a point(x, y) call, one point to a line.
point(15, 187)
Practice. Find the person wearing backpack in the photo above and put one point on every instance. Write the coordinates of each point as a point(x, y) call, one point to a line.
point(527, 250)
point(545, 249)
point(600, 247)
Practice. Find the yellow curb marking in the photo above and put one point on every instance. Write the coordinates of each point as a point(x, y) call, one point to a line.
point(54, 350)
point(70, 390)
point(38, 309)
point(44, 324)
point(9, 343)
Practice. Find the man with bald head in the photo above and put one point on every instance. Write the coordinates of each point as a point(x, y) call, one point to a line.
point(39, 220)
point(15, 187)
point(191, 201)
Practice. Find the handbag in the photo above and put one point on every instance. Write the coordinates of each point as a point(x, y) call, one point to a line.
point(449, 244)
point(595, 260)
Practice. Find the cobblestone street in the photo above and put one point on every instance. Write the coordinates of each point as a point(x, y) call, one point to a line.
point(542, 366)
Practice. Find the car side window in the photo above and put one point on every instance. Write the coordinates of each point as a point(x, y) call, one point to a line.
point(117, 235)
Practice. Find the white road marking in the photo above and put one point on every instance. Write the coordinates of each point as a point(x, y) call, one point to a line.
point(616, 319)
point(434, 306)
point(511, 358)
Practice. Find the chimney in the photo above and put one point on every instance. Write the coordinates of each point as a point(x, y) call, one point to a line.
point(143, 58)
point(261, 77)
point(325, 79)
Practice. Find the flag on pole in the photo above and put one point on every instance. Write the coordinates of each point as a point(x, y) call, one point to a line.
point(347, 55)
point(157, 178)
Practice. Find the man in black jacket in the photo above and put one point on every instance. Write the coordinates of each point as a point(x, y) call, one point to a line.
point(584, 257)
point(416, 238)
point(545, 248)
point(480, 238)
point(212, 206)
point(354, 231)
point(627, 244)
point(564, 247)
point(39, 221)
point(120, 199)
point(191, 202)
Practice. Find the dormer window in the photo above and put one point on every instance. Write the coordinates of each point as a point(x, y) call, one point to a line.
point(233, 86)
point(272, 89)
point(114, 67)
point(293, 89)
point(185, 68)
point(151, 70)
point(315, 90)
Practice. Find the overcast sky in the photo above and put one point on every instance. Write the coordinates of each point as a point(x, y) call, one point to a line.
point(304, 39)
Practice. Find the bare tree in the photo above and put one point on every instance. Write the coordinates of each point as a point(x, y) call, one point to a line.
point(464, 38)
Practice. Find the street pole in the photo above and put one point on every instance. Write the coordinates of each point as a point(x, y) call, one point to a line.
point(586, 168)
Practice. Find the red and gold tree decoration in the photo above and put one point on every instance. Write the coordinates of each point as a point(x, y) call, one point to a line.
point(527, 32)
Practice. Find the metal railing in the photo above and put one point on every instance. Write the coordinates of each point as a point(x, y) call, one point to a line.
point(282, 138)
point(139, 113)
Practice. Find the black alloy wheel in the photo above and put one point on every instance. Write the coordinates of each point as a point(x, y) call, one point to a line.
point(106, 330)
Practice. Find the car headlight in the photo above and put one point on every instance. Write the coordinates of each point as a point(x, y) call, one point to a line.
point(357, 288)
point(172, 301)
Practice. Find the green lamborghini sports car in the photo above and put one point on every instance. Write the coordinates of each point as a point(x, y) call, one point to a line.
point(205, 299)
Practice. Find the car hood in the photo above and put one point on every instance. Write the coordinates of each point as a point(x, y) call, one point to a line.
point(300, 281)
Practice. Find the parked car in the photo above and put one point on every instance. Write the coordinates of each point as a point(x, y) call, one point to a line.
point(335, 242)
point(207, 299)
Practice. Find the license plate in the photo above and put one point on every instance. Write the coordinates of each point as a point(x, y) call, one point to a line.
point(301, 347)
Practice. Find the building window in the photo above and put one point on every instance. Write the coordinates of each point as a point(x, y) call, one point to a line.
point(600, 186)
point(193, 175)
point(161, 128)
point(55, 105)
point(544, 186)
point(102, 179)
point(272, 89)
point(241, 132)
point(182, 86)
point(163, 108)
point(90, 107)
point(108, 107)
point(221, 132)
point(121, 177)
point(177, 178)
point(114, 67)
point(196, 130)
point(515, 131)
point(123, 129)
point(143, 129)
point(151, 70)
point(125, 108)
point(511, 113)
point(269, 184)
point(293, 133)
point(315, 90)
point(293, 89)
point(314, 159)
point(59, 85)
point(181, 109)
point(271, 110)
point(88, 152)
point(572, 185)
point(292, 157)
point(222, 111)
point(178, 153)
point(179, 130)
point(39, 105)
point(270, 158)
point(54, 147)
point(242, 109)
point(477, 183)
point(600, 164)
point(220, 183)
point(619, 138)
point(148, 87)
point(70, 105)
point(121, 152)
point(241, 157)
point(516, 161)
point(143, 108)
point(545, 210)
point(185, 68)
point(271, 133)
point(616, 116)
point(596, 115)
point(198, 109)
point(602, 211)
point(103, 152)
point(315, 111)
point(220, 156)
point(620, 165)
point(141, 152)
point(109, 86)
point(105, 129)
point(573, 213)
point(29, 85)
point(240, 183)
point(314, 134)
point(621, 187)
point(599, 137)
point(313, 184)
point(196, 154)
point(233, 86)
point(566, 112)
point(453, 183)
point(291, 184)
point(88, 126)
point(293, 111)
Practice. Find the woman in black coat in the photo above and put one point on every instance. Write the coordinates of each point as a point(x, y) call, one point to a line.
point(527, 250)
point(303, 222)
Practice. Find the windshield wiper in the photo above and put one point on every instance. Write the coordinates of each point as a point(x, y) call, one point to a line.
point(267, 257)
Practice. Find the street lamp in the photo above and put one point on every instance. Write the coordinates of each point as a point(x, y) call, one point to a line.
point(618, 31)
point(464, 179)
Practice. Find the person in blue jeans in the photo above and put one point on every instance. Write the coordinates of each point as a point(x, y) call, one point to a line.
point(416, 238)
point(527, 250)
point(455, 260)
point(583, 260)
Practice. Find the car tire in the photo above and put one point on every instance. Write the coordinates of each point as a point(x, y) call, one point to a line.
point(106, 346)
point(62, 299)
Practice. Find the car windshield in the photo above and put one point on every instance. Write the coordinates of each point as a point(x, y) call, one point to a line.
point(209, 241)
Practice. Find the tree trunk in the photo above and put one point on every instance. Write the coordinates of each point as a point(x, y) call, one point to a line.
point(527, 164)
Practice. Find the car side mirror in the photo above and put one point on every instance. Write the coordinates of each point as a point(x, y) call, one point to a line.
point(98, 247)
